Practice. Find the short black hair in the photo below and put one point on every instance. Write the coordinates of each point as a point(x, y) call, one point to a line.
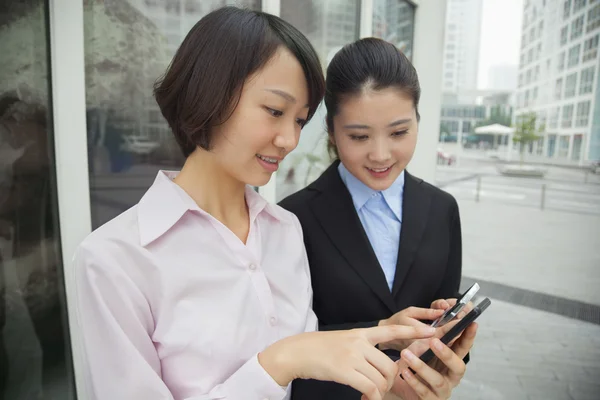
point(204, 81)
point(368, 63)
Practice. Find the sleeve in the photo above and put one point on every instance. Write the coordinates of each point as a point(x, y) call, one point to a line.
point(451, 282)
point(121, 361)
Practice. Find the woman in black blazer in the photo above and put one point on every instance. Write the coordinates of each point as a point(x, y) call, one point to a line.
point(383, 246)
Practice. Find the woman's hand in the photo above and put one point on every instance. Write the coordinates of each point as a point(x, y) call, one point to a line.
point(346, 357)
point(437, 379)
point(410, 316)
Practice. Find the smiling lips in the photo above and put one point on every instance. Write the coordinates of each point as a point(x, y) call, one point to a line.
point(379, 172)
point(271, 164)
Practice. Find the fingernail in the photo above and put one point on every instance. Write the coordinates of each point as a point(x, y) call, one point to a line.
point(430, 331)
point(409, 355)
point(438, 344)
point(406, 374)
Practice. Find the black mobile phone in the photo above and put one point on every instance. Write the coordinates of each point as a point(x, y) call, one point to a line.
point(459, 327)
point(452, 312)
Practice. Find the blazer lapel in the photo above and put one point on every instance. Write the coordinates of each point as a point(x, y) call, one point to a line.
point(415, 210)
point(337, 216)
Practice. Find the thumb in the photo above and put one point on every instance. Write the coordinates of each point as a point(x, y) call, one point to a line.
point(382, 334)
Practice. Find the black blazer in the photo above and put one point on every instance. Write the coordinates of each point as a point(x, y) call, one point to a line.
point(350, 289)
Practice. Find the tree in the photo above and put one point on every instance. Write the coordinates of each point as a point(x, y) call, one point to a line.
point(526, 131)
point(497, 116)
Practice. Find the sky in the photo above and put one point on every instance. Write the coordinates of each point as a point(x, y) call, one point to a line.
point(500, 35)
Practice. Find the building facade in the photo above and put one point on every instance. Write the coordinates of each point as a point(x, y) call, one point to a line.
point(558, 77)
point(461, 48)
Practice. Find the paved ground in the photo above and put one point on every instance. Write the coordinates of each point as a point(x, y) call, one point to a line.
point(524, 353)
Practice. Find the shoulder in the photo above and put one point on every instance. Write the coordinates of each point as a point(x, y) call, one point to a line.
point(299, 201)
point(111, 245)
point(441, 199)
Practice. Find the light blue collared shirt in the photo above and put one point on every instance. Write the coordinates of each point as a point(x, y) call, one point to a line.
point(381, 216)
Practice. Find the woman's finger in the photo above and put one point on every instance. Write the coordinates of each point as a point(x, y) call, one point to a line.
point(384, 365)
point(436, 381)
point(363, 384)
point(384, 334)
point(419, 387)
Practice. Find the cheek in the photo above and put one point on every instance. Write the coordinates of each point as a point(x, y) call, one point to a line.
point(351, 152)
point(406, 147)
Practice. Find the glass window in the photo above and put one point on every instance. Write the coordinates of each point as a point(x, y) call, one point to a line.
point(590, 49)
point(583, 114)
point(570, 85)
point(566, 9)
point(35, 356)
point(578, 5)
point(560, 65)
point(553, 120)
point(393, 20)
point(574, 56)
point(593, 18)
point(324, 23)
point(577, 28)
point(558, 89)
point(128, 141)
point(587, 80)
point(310, 158)
point(564, 35)
point(563, 146)
point(567, 116)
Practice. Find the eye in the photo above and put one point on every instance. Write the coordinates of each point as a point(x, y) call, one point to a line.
point(359, 138)
point(273, 112)
point(400, 133)
point(301, 122)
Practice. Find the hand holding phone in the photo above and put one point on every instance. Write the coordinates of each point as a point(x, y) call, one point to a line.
point(453, 311)
point(459, 327)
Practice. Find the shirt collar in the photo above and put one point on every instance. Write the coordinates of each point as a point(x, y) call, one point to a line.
point(165, 203)
point(361, 193)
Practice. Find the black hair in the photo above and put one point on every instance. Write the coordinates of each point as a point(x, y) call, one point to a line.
point(367, 64)
point(204, 81)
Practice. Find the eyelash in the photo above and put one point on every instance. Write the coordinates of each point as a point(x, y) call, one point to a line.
point(277, 113)
point(361, 138)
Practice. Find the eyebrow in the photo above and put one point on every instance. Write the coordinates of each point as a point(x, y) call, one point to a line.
point(288, 97)
point(395, 123)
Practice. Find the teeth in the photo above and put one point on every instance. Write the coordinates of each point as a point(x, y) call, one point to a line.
point(267, 159)
point(379, 169)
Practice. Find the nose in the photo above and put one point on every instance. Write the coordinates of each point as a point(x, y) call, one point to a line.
point(287, 137)
point(380, 152)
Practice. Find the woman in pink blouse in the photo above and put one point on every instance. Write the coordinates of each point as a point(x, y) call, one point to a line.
point(202, 290)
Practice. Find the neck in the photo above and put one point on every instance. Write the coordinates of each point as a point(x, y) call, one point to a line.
point(215, 192)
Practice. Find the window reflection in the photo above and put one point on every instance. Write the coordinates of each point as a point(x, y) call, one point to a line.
point(329, 25)
point(128, 45)
point(393, 20)
point(35, 359)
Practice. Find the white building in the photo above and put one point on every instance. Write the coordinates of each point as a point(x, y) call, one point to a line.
point(558, 77)
point(503, 77)
point(461, 49)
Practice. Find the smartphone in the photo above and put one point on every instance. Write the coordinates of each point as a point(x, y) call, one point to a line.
point(453, 311)
point(459, 327)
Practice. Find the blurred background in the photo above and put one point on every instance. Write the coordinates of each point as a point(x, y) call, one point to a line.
point(510, 126)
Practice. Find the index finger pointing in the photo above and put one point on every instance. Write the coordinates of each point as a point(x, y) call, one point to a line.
point(382, 334)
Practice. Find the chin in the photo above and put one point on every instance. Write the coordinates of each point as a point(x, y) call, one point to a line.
point(258, 179)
